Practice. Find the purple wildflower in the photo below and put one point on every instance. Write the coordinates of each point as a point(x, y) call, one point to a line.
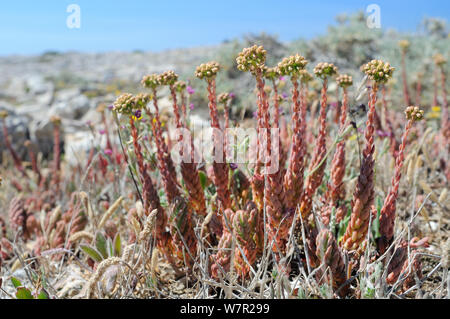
point(233, 166)
point(108, 151)
point(191, 106)
point(102, 131)
point(190, 90)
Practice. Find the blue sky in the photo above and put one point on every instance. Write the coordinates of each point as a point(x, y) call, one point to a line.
point(33, 27)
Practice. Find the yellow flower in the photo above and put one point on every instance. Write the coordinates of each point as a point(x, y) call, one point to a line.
point(436, 109)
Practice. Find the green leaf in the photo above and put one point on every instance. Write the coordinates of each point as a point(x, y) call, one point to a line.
point(203, 179)
point(23, 293)
point(16, 282)
point(92, 252)
point(43, 295)
point(117, 246)
point(100, 244)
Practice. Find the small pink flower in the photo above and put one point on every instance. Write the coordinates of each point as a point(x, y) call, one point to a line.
point(108, 151)
point(191, 106)
point(255, 114)
point(190, 90)
point(102, 131)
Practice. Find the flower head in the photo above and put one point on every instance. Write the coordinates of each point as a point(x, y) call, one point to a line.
point(344, 80)
point(305, 76)
point(55, 119)
point(271, 73)
point(224, 97)
point(207, 70)
point(129, 104)
point(414, 113)
point(168, 78)
point(180, 86)
point(404, 44)
point(3, 114)
point(439, 59)
point(252, 59)
point(101, 107)
point(378, 71)
point(325, 69)
point(292, 66)
point(151, 81)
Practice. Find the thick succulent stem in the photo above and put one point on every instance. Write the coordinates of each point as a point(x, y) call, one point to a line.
point(317, 165)
point(332, 259)
point(165, 162)
point(56, 155)
point(16, 159)
point(336, 189)
point(293, 178)
point(387, 214)
point(221, 169)
point(363, 195)
point(189, 169)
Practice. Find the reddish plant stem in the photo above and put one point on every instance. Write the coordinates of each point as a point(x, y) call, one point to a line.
point(387, 214)
point(388, 123)
point(435, 87)
point(363, 196)
point(165, 163)
point(315, 179)
point(444, 117)
point(336, 190)
point(293, 178)
point(221, 170)
point(34, 165)
point(189, 169)
point(56, 155)
point(16, 159)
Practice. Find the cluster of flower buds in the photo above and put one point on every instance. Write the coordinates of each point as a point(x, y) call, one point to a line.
point(404, 44)
point(414, 113)
point(305, 76)
point(378, 71)
point(180, 86)
point(439, 59)
point(128, 104)
point(325, 69)
point(252, 59)
point(55, 119)
point(168, 78)
point(271, 73)
point(292, 66)
point(151, 81)
point(224, 97)
point(344, 80)
point(207, 70)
